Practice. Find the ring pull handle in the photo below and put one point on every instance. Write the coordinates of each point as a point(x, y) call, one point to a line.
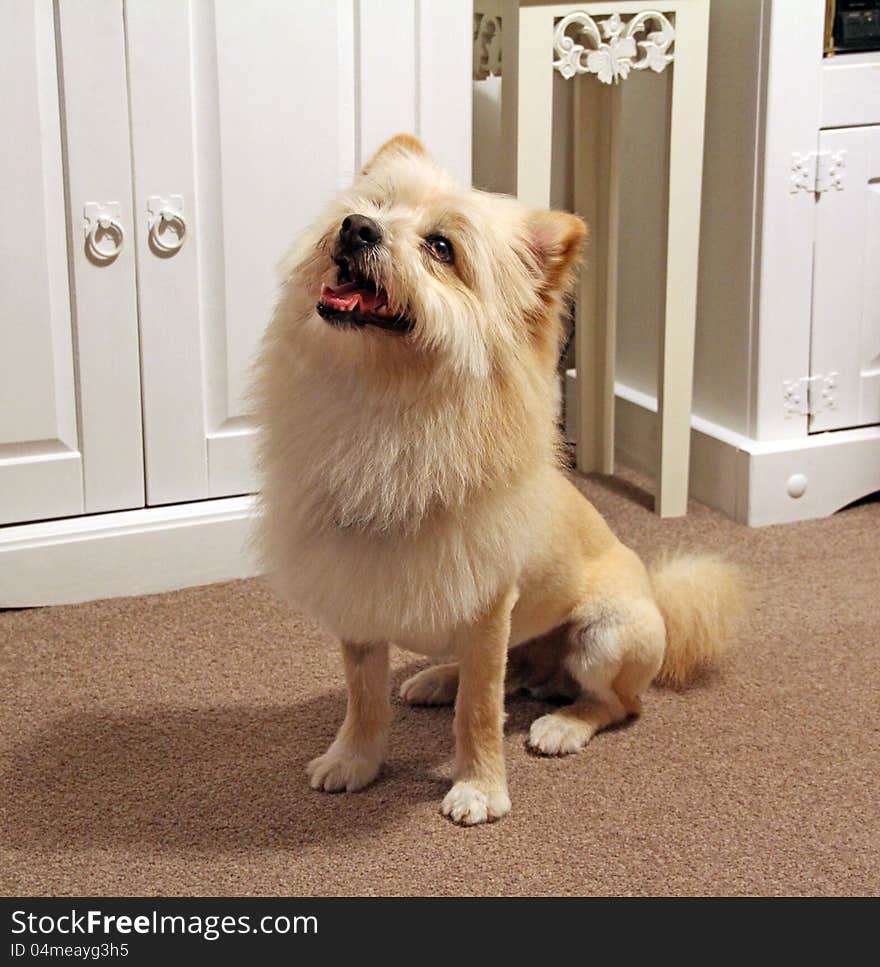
point(167, 224)
point(102, 225)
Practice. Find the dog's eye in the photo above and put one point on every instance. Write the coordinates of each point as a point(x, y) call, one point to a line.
point(439, 247)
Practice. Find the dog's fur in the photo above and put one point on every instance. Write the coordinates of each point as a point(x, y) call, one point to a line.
point(413, 494)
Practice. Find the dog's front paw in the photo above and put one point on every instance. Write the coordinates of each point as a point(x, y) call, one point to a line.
point(558, 734)
point(343, 768)
point(470, 804)
point(431, 686)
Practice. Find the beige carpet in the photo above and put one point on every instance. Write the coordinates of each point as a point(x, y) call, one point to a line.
point(156, 745)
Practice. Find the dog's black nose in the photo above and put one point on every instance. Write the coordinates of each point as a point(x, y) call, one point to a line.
point(358, 232)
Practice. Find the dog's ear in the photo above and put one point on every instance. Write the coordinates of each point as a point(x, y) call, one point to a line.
point(556, 240)
point(398, 145)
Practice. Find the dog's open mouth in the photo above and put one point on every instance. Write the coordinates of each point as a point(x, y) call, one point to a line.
point(357, 301)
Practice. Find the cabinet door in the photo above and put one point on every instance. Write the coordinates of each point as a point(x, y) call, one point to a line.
point(237, 109)
point(70, 436)
point(250, 116)
point(98, 172)
point(40, 459)
point(846, 283)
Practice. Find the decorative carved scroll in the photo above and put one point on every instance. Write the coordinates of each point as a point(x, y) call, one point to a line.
point(610, 48)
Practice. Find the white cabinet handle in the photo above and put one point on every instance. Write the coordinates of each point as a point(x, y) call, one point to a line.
point(103, 219)
point(166, 212)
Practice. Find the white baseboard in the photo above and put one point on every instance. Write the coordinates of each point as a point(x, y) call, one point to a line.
point(755, 482)
point(125, 553)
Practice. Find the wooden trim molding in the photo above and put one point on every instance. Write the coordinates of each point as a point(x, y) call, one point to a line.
point(126, 553)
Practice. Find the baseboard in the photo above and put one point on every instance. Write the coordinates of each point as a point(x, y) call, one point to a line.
point(755, 482)
point(125, 553)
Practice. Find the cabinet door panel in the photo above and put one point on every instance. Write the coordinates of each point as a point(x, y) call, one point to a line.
point(846, 283)
point(98, 161)
point(40, 459)
point(414, 73)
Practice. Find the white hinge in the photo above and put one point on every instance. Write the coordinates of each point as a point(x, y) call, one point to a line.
point(818, 171)
point(809, 395)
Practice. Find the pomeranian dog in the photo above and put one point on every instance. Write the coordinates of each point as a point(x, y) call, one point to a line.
point(412, 489)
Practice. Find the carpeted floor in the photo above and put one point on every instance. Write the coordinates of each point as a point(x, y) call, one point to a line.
point(156, 745)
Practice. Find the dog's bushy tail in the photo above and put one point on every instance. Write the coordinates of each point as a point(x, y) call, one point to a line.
point(701, 597)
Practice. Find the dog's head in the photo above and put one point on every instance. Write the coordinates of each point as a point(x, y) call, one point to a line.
point(408, 262)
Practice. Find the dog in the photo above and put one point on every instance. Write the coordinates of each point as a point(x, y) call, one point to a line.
point(413, 491)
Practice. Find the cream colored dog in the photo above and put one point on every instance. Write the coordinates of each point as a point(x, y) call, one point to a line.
point(408, 396)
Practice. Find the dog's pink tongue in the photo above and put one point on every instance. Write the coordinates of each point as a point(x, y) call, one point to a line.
point(344, 297)
point(349, 297)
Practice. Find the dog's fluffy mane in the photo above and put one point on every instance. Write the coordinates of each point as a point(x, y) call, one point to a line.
point(387, 460)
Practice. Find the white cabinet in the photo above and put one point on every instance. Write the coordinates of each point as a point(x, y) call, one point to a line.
point(786, 414)
point(791, 214)
point(206, 134)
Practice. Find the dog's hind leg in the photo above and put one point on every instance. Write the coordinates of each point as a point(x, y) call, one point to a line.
point(436, 685)
point(570, 728)
point(613, 659)
point(535, 665)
